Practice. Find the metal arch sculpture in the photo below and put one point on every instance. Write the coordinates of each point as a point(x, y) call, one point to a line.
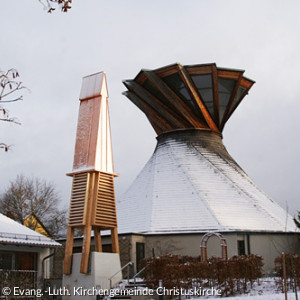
point(203, 245)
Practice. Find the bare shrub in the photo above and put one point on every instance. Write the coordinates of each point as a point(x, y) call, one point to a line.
point(233, 276)
point(292, 264)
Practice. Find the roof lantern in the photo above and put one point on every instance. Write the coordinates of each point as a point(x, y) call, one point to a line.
point(188, 97)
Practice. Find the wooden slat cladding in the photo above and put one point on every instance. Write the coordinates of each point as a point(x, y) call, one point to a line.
point(78, 199)
point(104, 215)
point(105, 206)
point(92, 207)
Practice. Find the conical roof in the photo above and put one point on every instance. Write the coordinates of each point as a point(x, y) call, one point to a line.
point(191, 183)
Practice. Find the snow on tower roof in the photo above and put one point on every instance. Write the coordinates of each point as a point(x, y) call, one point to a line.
point(93, 149)
point(192, 184)
point(12, 232)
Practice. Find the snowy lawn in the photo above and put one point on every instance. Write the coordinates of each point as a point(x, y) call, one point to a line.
point(291, 296)
point(265, 290)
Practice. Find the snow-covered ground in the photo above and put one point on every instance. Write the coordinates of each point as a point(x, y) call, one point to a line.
point(273, 296)
point(266, 290)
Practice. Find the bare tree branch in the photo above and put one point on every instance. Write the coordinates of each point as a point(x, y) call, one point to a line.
point(7, 118)
point(9, 85)
point(12, 100)
point(12, 90)
point(64, 5)
point(5, 147)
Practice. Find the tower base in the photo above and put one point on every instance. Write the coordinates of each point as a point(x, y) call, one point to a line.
point(102, 267)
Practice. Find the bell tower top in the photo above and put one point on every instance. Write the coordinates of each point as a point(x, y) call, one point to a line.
point(93, 149)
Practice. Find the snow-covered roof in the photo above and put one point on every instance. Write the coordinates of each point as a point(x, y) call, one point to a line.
point(12, 232)
point(192, 184)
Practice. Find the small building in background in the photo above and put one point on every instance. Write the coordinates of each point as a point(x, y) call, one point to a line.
point(34, 223)
point(25, 255)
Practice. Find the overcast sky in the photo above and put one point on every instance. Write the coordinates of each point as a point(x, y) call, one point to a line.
point(52, 53)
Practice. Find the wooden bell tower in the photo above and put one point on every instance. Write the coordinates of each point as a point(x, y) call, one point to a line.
point(92, 205)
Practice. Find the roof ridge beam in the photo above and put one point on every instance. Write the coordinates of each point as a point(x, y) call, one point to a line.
point(176, 101)
point(247, 84)
point(188, 82)
point(225, 117)
point(171, 116)
point(159, 123)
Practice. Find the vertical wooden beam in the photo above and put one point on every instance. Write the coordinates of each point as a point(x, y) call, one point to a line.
point(68, 251)
point(225, 117)
point(247, 84)
point(115, 240)
point(86, 244)
point(216, 94)
point(284, 275)
point(97, 237)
